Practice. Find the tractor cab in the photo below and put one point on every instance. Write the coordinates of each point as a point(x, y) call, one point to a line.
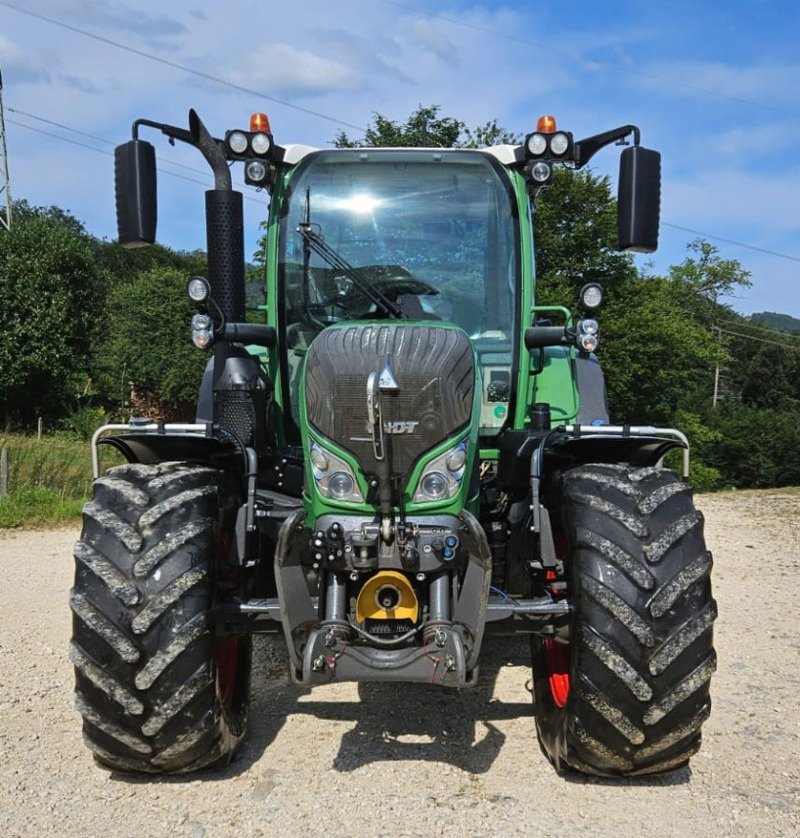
point(422, 236)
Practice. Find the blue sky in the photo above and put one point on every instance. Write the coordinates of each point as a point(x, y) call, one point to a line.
point(714, 86)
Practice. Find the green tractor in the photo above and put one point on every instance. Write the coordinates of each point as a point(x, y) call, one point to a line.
point(406, 458)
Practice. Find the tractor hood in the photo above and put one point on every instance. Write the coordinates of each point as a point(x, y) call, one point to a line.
point(390, 393)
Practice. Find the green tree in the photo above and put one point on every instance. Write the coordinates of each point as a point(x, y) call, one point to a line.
point(488, 134)
point(125, 265)
point(423, 128)
point(148, 348)
point(764, 371)
point(575, 238)
point(659, 350)
point(757, 447)
point(426, 128)
point(53, 295)
point(705, 277)
point(655, 353)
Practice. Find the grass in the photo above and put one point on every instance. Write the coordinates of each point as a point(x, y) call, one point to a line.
point(49, 479)
point(37, 506)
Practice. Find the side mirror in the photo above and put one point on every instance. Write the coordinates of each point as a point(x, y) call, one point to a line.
point(135, 187)
point(639, 199)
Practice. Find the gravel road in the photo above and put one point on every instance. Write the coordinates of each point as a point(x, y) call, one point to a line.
point(383, 760)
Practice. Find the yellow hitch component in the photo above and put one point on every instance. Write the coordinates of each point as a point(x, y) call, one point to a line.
point(388, 595)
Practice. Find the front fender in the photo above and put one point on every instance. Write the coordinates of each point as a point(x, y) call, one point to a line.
point(160, 443)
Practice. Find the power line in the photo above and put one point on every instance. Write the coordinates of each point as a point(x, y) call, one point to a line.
point(176, 66)
point(776, 332)
point(201, 172)
point(61, 125)
point(255, 200)
point(776, 253)
point(550, 50)
point(93, 137)
point(111, 154)
point(760, 340)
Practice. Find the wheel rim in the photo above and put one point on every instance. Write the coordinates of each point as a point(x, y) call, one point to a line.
point(556, 656)
point(226, 652)
point(226, 657)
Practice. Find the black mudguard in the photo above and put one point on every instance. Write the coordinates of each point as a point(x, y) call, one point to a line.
point(152, 448)
point(517, 447)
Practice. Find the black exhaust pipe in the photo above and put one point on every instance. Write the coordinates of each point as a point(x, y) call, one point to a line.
point(242, 392)
point(225, 243)
point(224, 228)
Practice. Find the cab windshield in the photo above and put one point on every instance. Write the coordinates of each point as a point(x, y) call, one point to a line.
point(424, 235)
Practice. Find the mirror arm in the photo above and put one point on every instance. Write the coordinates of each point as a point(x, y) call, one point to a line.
point(171, 131)
point(197, 136)
point(585, 149)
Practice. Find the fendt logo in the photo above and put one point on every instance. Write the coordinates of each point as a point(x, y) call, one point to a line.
point(400, 427)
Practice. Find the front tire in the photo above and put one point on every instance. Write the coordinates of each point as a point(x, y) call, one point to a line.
point(156, 690)
point(629, 692)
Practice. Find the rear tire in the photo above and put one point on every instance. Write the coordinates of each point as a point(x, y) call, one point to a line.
point(156, 690)
point(630, 692)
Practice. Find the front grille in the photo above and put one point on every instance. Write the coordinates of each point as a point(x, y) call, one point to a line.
point(433, 367)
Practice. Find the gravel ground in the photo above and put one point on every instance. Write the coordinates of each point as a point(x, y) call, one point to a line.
point(384, 760)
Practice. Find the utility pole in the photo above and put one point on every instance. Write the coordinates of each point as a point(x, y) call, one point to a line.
point(716, 368)
point(5, 189)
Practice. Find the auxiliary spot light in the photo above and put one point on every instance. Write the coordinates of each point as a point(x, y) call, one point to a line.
point(547, 142)
point(198, 289)
point(588, 336)
point(255, 148)
point(202, 331)
point(592, 295)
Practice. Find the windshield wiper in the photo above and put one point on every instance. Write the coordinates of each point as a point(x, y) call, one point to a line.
point(313, 240)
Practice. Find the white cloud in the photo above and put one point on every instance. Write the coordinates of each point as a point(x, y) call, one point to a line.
point(284, 70)
point(753, 141)
point(376, 56)
point(18, 66)
point(430, 35)
point(117, 16)
point(753, 202)
point(771, 85)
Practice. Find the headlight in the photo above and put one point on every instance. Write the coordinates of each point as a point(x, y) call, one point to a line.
point(198, 289)
point(237, 140)
point(456, 459)
point(318, 458)
point(441, 478)
point(255, 171)
point(260, 143)
point(537, 144)
point(541, 172)
point(341, 485)
point(590, 326)
point(592, 295)
point(434, 486)
point(200, 322)
point(559, 143)
point(202, 331)
point(333, 477)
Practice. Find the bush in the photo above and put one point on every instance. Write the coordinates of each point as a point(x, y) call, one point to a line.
point(84, 422)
